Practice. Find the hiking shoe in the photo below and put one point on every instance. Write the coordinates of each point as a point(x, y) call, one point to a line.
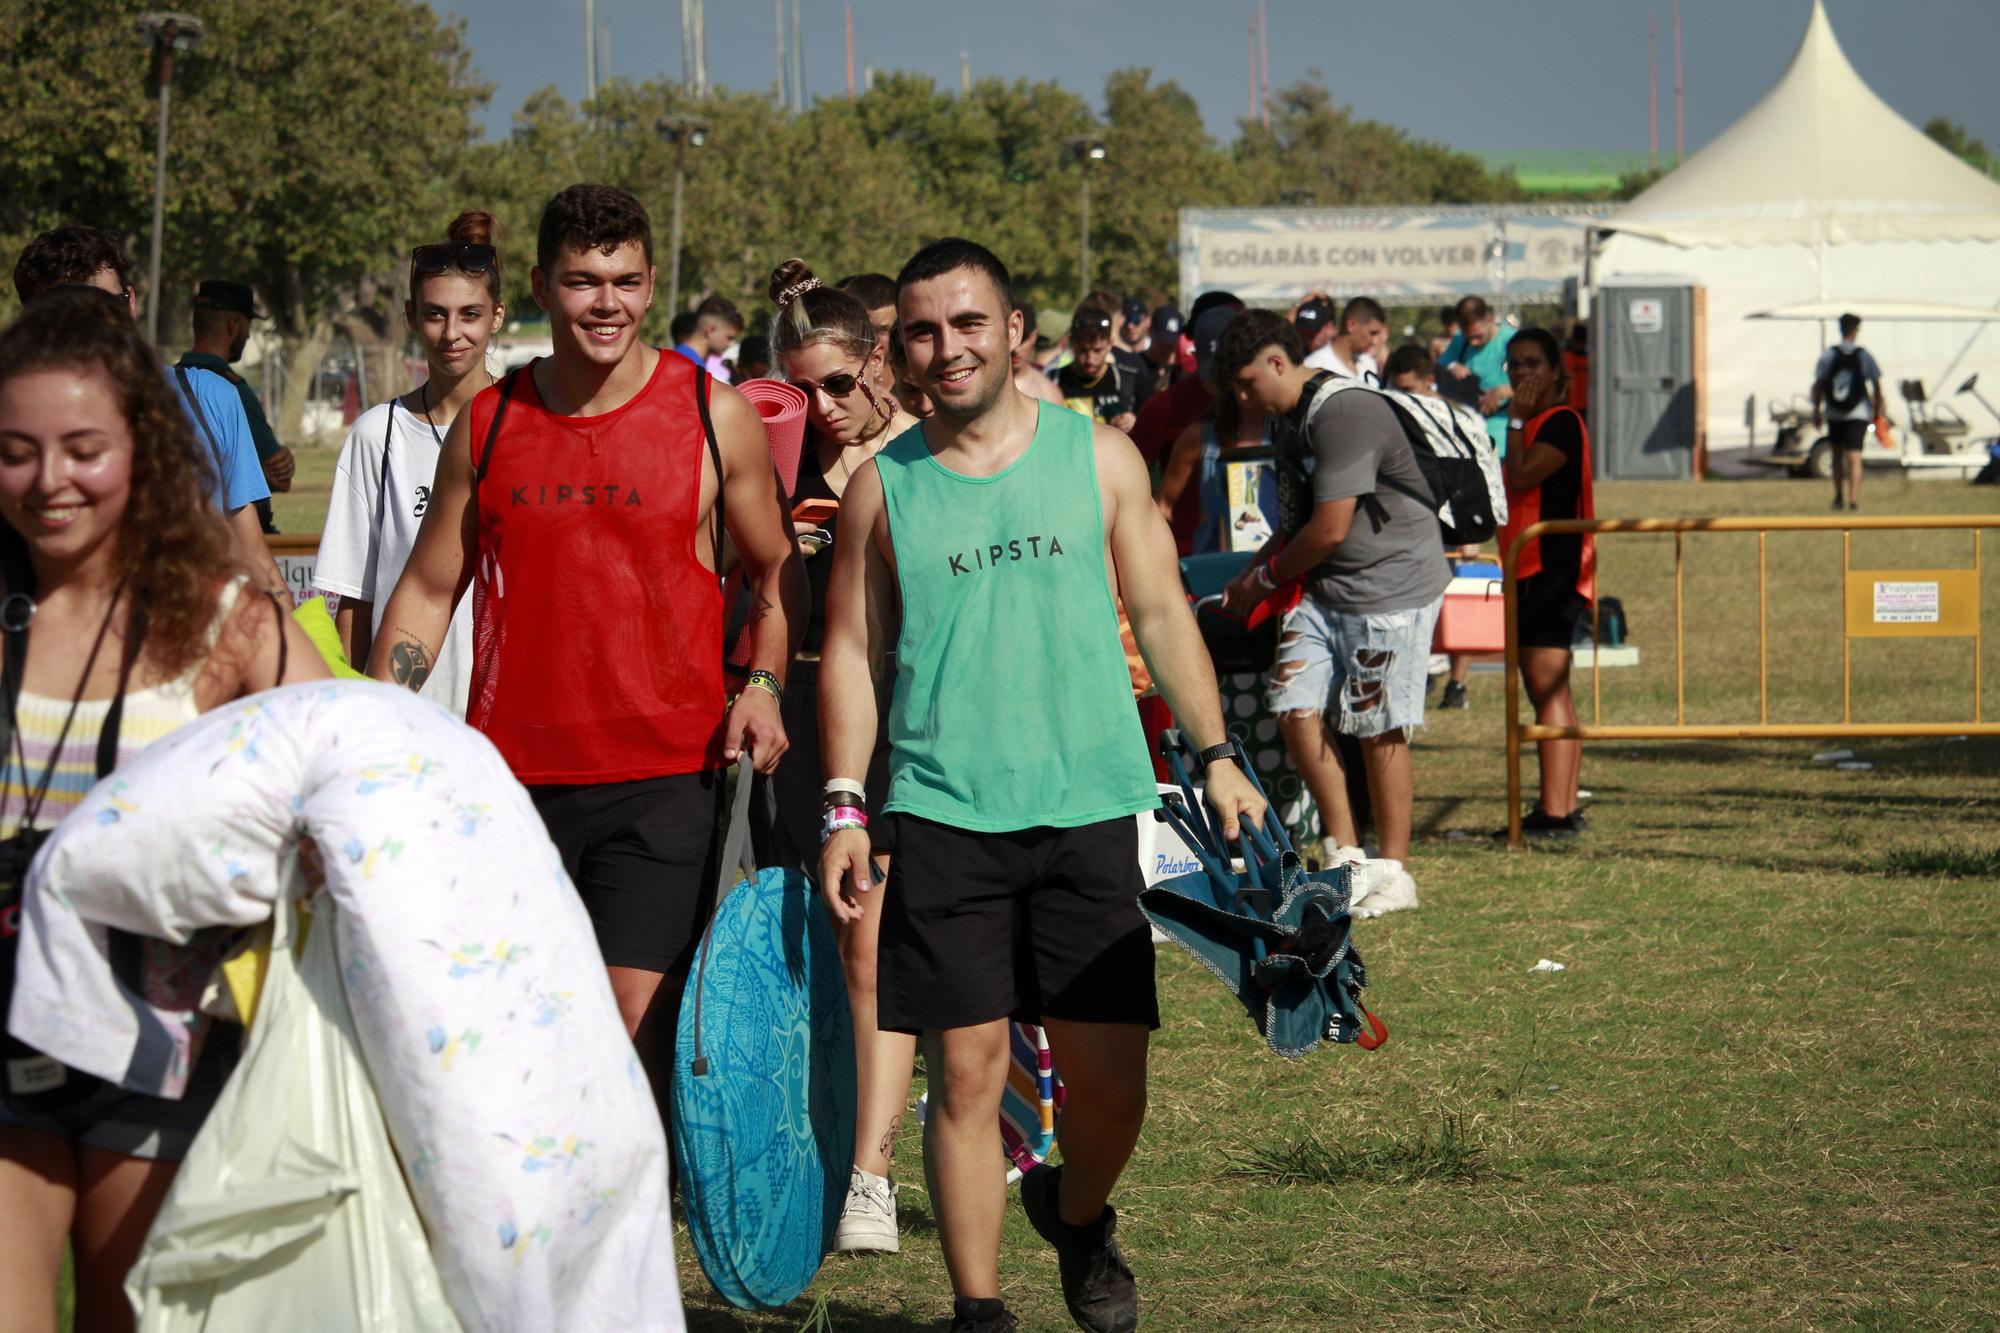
point(1454, 696)
point(868, 1222)
point(984, 1316)
point(1378, 887)
point(1097, 1285)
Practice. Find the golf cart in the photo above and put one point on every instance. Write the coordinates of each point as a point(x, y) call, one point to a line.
point(1940, 440)
point(1805, 451)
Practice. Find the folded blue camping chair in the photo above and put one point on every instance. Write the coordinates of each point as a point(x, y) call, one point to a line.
point(1278, 937)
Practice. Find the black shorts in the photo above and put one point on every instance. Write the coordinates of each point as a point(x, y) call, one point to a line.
point(642, 855)
point(1038, 923)
point(1549, 609)
point(1848, 434)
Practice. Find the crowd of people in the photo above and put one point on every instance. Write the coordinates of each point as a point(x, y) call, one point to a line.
point(935, 626)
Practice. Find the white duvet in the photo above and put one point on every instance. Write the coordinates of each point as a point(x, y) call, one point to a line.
point(525, 1125)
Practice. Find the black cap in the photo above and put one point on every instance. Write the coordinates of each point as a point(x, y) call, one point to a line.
point(1166, 322)
point(1134, 310)
point(1314, 315)
point(223, 294)
point(1207, 332)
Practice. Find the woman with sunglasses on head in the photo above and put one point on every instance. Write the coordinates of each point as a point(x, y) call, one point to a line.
point(382, 483)
point(1547, 471)
point(823, 343)
point(125, 615)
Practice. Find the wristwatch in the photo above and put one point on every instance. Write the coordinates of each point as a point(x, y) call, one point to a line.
point(1226, 750)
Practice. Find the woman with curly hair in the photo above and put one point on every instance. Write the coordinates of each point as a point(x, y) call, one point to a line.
point(823, 342)
point(124, 615)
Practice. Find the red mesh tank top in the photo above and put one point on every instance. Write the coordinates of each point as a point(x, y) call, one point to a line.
point(597, 632)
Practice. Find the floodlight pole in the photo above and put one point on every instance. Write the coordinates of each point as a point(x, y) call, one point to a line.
point(165, 33)
point(683, 132)
point(1085, 150)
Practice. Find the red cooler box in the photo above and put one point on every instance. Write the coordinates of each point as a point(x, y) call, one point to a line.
point(1474, 618)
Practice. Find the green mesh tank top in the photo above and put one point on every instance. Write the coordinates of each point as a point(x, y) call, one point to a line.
point(1013, 704)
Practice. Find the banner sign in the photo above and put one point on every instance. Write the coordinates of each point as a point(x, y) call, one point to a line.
point(1274, 256)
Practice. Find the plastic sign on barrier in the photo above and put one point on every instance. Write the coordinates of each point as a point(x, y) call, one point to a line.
point(1911, 603)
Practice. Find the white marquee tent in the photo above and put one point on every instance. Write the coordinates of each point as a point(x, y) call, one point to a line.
point(1820, 198)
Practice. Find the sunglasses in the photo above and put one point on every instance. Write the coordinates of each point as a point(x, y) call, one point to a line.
point(1089, 326)
point(427, 261)
point(833, 386)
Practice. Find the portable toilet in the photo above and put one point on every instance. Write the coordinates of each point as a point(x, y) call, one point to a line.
point(1647, 373)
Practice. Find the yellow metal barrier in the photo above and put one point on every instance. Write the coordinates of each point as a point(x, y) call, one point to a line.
point(1875, 603)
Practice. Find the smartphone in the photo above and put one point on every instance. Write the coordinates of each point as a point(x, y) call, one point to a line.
point(815, 511)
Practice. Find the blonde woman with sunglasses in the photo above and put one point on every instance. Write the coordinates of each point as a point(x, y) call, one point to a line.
point(822, 341)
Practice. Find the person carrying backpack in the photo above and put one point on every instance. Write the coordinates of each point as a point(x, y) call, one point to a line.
point(1847, 385)
point(1359, 526)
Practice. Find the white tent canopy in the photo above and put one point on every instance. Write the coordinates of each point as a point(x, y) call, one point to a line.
point(1884, 310)
point(1819, 196)
point(1819, 160)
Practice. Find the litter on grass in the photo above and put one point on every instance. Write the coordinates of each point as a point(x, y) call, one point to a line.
point(1547, 965)
point(1854, 765)
point(1833, 756)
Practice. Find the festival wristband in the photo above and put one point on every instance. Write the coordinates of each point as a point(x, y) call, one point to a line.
point(765, 681)
point(845, 784)
point(835, 824)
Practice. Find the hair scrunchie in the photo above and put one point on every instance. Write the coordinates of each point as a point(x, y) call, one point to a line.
point(796, 290)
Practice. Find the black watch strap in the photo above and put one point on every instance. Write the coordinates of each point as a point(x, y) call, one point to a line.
point(1226, 750)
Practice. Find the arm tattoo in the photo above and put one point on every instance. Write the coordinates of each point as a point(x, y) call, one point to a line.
point(410, 664)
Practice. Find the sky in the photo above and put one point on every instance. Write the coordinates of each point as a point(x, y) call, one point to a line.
point(1443, 70)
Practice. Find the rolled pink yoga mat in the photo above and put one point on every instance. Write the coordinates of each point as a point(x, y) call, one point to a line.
point(783, 408)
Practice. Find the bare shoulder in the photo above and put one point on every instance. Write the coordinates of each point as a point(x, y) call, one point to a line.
point(1119, 466)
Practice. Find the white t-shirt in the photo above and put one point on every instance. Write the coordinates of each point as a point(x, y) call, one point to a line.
point(1327, 359)
point(367, 539)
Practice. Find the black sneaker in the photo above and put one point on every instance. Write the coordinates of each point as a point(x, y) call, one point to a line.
point(985, 1316)
point(1540, 825)
point(1097, 1285)
point(1454, 696)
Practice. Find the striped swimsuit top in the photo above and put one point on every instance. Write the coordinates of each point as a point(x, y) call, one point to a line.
point(149, 714)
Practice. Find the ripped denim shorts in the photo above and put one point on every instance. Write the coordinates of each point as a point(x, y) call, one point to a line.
point(1369, 670)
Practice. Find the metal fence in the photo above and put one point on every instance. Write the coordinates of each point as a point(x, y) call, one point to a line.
point(1876, 603)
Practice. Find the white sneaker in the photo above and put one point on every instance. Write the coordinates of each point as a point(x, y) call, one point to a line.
point(868, 1222)
point(1331, 853)
point(1378, 887)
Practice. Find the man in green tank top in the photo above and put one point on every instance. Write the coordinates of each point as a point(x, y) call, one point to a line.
point(1001, 533)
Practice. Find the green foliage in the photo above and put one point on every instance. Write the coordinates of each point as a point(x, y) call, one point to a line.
point(1954, 138)
point(307, 141)
point(313, 145)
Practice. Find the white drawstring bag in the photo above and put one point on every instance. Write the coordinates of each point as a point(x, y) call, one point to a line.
point(290, 1210)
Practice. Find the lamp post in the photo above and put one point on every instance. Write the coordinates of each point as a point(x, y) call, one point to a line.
point(683, 132)
point(165, 33)
point(1085, 150)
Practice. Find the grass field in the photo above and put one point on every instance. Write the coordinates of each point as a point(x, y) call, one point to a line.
point(1765, 1092)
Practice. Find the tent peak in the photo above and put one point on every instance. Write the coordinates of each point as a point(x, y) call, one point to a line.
point(1819, 160)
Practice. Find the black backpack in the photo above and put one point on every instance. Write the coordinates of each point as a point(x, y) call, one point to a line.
point(1461, 473)
point(1846, 384)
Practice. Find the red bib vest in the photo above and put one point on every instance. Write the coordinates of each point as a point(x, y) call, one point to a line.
point(597, 632)
point(1525, 507)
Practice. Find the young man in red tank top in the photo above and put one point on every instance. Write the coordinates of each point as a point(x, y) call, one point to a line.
point(586, 524)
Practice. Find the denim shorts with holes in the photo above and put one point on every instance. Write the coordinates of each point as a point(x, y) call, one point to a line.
point(1368, 670)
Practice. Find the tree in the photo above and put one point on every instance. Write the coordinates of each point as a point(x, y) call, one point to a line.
point(1316, 146)
point(311, 147)
point(1954, 138)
